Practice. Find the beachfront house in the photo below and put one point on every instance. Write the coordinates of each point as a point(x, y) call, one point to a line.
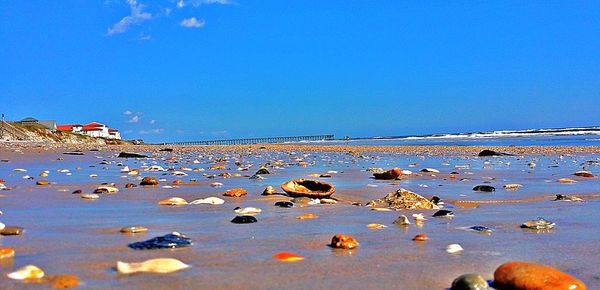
point(48, 124)
point(93, 129)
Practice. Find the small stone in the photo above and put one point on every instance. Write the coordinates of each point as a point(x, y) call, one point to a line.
point(42, 182)
point(160, 265)
point(301, 200)
point(134, 230)
point(90, 196)
point(343, 242)
point(402, 220)
point(77, 191)
point(263, 170)
point(26, 272)
point(149, 181)
point(480, 229)
point(11, 231)
point(512, 186)
point(403, 199)
point(247, 210)
point(6, 253)
point(288, 257)
point(269, 190)
point(130, 185)
point(566, 180)
point(583, 173)
point(420, 238)
point(454, 248)
point(216, 184)
point(64, 281)
point(376, 226)
point(173, 201)
point(131, 155)
point(484, 188)
point(244, 219)
point(533, 276)
point(325, 201)
point(169, 241)
point(389, 174)
point(307, 216)
point(284, 204)
point(430, 170)
point(539, 224)
point(564, 197)
point(235, 192)
point(469, 282)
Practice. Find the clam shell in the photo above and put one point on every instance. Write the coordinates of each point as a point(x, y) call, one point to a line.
point(308, 188)
point(160, 265)
point(27, 272)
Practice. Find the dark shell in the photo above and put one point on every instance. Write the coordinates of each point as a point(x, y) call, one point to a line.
point(131, 155)
point(486, 153)
point(285, 204)
point(263, 171)
point(169, 241)
point(481, 229)
point(484, 188)
point(244, 219)
point(443, 213)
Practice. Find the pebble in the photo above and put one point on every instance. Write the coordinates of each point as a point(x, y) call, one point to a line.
point(307, 216)
point(343, 242)
point(134, 230)
point(90, 196)
point(244, 219)
point(532, 276)
point(64, 281)
point(160, 265)
point(108, 189)
point(420, 238)
point(6, 252)
point(284, 204)
point(512, 186)
point(454, 248)
point(235, 192)
point(209, 200)
point(389, 174)
point(402, 220)
point(484, 188)
point(539, 224)
point(42, 182)
point(444, 213)
point(288, 257)
point(216, 184)
point(564, 197)
point(173, 201)
point(269, 190)
point(566, 180)
point(247, 210)
point(149, 181)
point(430, 170)
point(469, 282)
point(27, 272)
point(168, 241)
point(11, 231)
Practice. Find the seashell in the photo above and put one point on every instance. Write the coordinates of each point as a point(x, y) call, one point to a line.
point(134, 230)
point(418, 216)
point(179, 173)
point(566, 180)
point(160, 265)
point(173, 201)
point(376, 226)
point(149, 181)
point(454, 248)
point(42, 182)
point(108, 189)
point(269, 190)
point(480, 229)
point(327, 201)
point(402, 220)
point(389, 174)
point(583, 173)
point(307, 216)
point(125, 169)
point(308, 188)
point(444, 213)
point(27, 272)
point(244, 219)
point(2, 226)
point(209, 200)
point(44, 174)
point(169, 241)
point(235, 192)
point(6, 252)
point(288, 257)
point(256, 177)
point(247, 210)
point(564, 197)
point(539, 224)
point(343, 242)
point(216, 184)
point(430, 170)
point(512, 186)
point(11, 231)
point(381, 209)
point(420, 238)
point(90, 196)
point(64, 281)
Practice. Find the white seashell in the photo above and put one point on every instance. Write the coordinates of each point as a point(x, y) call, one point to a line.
point(125, 169)
point(208, 200)
point(167, 186)
point(247, 210)
point(20, 170)
point(314, 201)
point(216, 184)
point(64, 171)
point(406, 172)
point(110, 189)
point(27, 272)
point(418, 216)
point(2, 226)
point(430, 170)
point(26, 177)
point(454, 248)
point(90, 196)
point(179, 173)
point(93, 175)
point(160, 265)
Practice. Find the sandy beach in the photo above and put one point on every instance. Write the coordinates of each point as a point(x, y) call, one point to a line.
point(65, 234)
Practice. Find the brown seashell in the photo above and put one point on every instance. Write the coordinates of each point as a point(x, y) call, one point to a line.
point(390, 174)
point(308, 188)
point(343, 242)
point(235, 192)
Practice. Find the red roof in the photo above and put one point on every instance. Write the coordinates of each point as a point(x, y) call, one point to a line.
point(111, 130)
point(67, 127)
point(94, 124)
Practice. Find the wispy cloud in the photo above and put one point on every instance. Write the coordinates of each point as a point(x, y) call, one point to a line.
point(151, 122)
point(134, 119)
point(196, 3)
point(192, 22)
point(137, 16)
point(127, 112)
point(151, 131)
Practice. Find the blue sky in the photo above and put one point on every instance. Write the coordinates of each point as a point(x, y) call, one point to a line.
point(211, 69)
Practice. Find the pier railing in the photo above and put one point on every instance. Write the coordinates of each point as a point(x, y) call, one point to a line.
point(247, 141)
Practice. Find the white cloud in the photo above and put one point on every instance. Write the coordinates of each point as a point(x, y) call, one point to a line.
point(180, 4)
point(127, 112)
point(192, 22)
point(201, 2)
point(134, 119)
point(151, 131)
point(137, 16)
point(151, 122)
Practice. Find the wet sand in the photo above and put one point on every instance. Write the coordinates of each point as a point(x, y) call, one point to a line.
point(65, 234)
